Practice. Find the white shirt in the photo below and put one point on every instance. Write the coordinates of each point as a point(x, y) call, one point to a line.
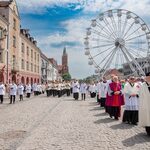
point(28, 88)
point(83, 88)
point(76, 87)
point(102, 89)
point(20, 89)
point(2, 89)
point(35, 87)
point(13, 89)
point(92, 88)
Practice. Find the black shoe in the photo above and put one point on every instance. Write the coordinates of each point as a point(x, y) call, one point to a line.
point(110, 116)
point(116, 118)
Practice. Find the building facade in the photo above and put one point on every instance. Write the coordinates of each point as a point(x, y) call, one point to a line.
point(20, 58)
point(144, 64)
point(29, 59)
point(3, 49)
point(9, 10)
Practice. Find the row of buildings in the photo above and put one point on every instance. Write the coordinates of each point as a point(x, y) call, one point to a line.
point(21, 60)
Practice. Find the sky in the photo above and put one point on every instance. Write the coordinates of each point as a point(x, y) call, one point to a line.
point(56, 24)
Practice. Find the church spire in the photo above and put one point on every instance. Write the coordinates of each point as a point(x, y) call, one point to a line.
point(64, 51)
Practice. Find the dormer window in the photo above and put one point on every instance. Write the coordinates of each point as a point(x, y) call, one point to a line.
point(14, 24)
point(1, 32)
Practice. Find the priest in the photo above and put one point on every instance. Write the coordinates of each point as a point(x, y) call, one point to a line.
point(144, 107)
point(116, 98)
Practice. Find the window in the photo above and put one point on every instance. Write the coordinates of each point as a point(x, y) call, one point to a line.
point(31, 67)
point(27, 51)
point(1, 33)
point(27, 65)
point(22, 64)
point(14, 41)
point(22, 48)
point(35, 56)
point(1, 59)
point(31, 54)
point(14, 24)
point(34, 68)
point(13, 61)
point(38, 57)
point(38, 69)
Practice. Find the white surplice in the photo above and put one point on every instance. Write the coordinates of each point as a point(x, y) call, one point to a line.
point(144, 106)
point(131, 102)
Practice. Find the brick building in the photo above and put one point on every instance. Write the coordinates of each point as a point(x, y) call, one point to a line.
point(63, 68)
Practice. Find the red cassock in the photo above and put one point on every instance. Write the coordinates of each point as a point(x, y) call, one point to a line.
point(115, 100)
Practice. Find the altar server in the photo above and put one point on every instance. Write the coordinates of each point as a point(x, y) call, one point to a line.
point(13, 92)
point(102, 92)
point(131, 91)
point(20, 91)
point(76, 89)
point(28, 90)
point(83, 90)
point(2, 92)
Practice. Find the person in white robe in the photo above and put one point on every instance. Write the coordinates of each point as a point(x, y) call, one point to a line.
point(28, 90)
point(20, 89)
point(2, 92)
point(13, 92)
point(103, 92)
point(97, 91)
point(76, 90)
point(35, 89)
point(83, 90)
point(92, 90)
point(144, 107)
point(131, 93)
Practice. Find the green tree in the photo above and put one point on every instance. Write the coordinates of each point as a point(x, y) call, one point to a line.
point(66, 77)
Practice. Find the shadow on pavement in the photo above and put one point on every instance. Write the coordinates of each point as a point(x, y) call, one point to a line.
point(96, 108)
point(105, 120)
point(121, 126)
point(71, 100)
point(101, 114)
point(136, 139)
point(94, 104)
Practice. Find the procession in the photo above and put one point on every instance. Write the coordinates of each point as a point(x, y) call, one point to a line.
point(74, 75)
point(131, 95)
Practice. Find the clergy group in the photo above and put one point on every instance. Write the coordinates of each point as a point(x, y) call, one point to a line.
point(132, 95)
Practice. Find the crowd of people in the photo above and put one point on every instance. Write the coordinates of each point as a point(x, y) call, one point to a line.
point(21, 90)
point(132, 93)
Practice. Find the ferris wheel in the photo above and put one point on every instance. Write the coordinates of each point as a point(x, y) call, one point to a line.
point(118, 39)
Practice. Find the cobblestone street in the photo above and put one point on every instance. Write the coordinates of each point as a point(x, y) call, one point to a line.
point(43, 123)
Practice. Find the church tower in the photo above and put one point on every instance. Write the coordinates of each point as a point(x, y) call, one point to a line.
point(65, 62)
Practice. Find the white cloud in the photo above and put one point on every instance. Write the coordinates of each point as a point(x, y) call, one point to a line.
point(75, 33)
point(76, 27)
point(34, 6)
